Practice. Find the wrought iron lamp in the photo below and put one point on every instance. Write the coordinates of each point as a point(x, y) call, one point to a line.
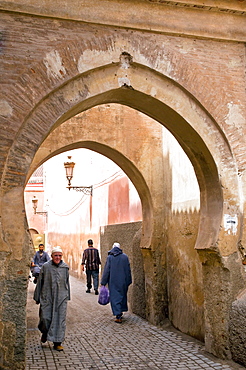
point(69, 166)
point(35, 205)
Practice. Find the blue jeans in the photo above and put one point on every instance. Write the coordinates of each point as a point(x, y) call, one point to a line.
point(94, 274)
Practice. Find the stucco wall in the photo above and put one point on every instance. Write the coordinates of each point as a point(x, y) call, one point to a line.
point(184, 270)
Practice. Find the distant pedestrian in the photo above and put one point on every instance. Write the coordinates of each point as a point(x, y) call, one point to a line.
point(90, 262)
point(117, 274)
point(52, 292)
point(39, 259)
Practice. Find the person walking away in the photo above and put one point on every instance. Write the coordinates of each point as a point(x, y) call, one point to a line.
point(39, 259)
point(90, 262)
point(52, 292)
point(117, 274)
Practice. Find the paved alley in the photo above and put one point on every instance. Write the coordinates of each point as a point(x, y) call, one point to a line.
point(95, 341)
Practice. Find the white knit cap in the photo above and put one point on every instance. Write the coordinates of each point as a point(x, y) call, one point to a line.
point(56, 249)
point(116, 245)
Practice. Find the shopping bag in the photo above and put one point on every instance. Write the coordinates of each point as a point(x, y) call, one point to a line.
point(103, 297)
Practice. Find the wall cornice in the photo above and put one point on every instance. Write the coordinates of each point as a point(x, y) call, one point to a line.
point(221, 20)
point(226, 6)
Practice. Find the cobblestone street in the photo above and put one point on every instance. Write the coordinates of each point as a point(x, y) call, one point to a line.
point(95, 341)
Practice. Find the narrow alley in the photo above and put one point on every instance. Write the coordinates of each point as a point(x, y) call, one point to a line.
point(95, 341)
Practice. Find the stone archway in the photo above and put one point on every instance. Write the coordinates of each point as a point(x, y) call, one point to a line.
point(84, 93)
point(188, 122)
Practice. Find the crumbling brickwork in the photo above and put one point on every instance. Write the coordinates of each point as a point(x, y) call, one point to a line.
point(189, 77)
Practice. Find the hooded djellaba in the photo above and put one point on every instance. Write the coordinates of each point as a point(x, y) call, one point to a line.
point(52, 292)
point(117, 274)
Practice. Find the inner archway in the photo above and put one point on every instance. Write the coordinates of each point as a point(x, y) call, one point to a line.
point(140, 134)
point(70, 217)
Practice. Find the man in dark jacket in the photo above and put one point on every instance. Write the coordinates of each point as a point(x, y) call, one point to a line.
point(39, 259)
point(117, 274)
point(91, 262)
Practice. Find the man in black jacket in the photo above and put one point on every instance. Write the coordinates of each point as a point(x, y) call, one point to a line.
point(91, 262)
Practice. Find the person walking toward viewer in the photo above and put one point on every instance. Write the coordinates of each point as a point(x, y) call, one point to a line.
point(117, 274)
point(52, 292)
point(90, 262)
point(39, 259)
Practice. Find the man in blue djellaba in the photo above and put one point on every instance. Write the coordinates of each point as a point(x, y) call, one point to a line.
point(117, 274)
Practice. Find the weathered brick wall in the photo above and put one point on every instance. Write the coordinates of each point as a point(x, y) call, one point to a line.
point(52, 69)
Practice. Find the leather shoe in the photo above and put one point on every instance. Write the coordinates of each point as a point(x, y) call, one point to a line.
point(44, 338)
point(58, 348)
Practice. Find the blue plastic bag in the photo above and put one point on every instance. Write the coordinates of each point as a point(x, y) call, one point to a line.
point(103, 297)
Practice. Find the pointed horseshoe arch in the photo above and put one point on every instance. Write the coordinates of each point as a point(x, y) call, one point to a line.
point(130, 170)
point(158, 97)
